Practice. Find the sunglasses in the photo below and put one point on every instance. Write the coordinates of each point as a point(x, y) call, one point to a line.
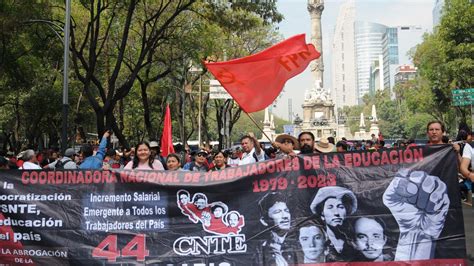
point(200, 155)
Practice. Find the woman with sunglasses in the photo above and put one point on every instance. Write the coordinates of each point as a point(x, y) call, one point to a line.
point(199, 164)
point(143, 159)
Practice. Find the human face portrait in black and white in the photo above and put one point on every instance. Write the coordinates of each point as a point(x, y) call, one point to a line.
point(313, 243)
point(279, 215)
point(334, 212)
point(369, 238)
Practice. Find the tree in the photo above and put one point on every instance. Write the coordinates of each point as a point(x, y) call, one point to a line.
point(446, 57)
point(134, 30)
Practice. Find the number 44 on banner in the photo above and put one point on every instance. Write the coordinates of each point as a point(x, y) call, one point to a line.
point(108, 249)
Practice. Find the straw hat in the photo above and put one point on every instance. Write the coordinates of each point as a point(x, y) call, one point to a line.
point(283, 137)
point(324, 146)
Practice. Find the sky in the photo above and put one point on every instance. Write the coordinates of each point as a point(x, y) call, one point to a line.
point(297, 21)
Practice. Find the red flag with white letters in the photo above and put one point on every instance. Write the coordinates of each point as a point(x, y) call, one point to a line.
point(255, 81)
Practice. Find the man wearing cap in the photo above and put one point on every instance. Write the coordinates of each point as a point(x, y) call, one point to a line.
point(199, 164)
point(287, 144)
point(252, 152)
point(67, 162)
point(276, 217)
point(333, 204)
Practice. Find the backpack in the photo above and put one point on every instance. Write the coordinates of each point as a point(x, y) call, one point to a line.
point(60, 164)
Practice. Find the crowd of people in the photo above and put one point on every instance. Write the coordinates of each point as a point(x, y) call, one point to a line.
point(331, 204)
point(147, 155)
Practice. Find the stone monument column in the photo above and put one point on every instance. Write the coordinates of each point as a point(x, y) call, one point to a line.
point(315, 8)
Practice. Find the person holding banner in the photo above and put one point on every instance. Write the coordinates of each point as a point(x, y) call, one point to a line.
point(435, 131)
point(173, 162)
point(333, 204)
point(306, 141)
point(252, 151)
point(289, 143)
point(276, 217)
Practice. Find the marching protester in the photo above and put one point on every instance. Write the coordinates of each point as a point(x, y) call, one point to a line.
point(324, 146)
point(91, 161)
point(234, 157)
point(66, 162)
point(199, 164)
point(173, 162)
point(30, 162)
point(252, 152)
point(156, 152)
point(435, 131)
point(306, 142)
point(341, 146)
point(143, 160)
point(220, 161)
point(112, 160)
point(289, 143)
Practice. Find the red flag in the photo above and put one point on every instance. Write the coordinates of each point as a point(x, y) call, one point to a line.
point(167, 136)
point(255, 81)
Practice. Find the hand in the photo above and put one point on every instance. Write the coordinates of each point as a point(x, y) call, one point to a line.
point(419, 202)
point(457, 147)
point(206, 218)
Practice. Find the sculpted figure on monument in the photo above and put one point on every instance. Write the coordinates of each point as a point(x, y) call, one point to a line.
point(316, 5)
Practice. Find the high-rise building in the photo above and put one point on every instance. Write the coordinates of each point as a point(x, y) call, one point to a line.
point(368, 47)
point(404, 73)
point(377, 71)
point(437, 12)
point(390, 54)
point(344, 89)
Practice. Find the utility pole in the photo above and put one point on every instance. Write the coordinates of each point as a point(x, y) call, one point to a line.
point(65, 108)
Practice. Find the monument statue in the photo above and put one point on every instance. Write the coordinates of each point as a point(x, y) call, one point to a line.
point(315, 8)
point(317, 93)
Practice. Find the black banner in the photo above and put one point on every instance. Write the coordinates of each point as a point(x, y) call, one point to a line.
point(389, 205)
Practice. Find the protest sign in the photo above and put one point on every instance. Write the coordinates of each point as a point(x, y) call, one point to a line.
point(358, 207)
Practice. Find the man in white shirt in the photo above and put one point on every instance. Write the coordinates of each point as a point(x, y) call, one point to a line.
point(31, 162)
point(252, 151)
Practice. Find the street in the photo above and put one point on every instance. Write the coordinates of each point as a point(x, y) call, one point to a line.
point(468, 213)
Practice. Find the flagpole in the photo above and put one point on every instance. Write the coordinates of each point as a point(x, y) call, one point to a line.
point(255, 122)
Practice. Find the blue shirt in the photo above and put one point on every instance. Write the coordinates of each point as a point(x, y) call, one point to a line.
point(95, 161)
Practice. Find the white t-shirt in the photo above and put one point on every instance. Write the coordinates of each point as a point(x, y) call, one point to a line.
point(30, 166)
point(248, 158)
point(467, 153)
